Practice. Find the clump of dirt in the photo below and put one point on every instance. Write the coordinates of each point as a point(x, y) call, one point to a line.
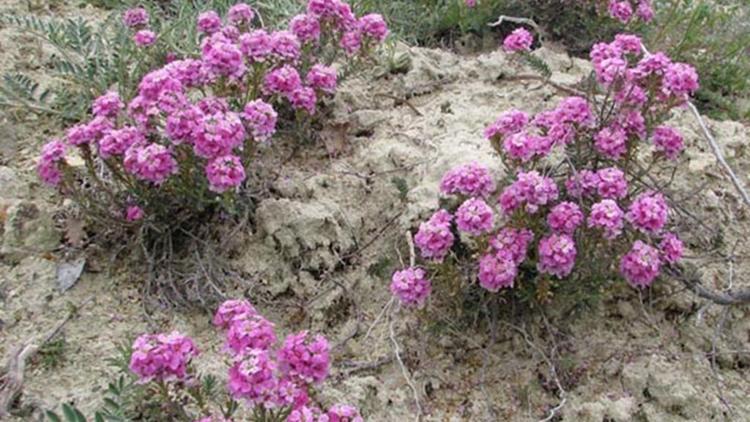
point(323, 248)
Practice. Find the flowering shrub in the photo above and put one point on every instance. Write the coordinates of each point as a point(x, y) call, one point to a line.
point(273, 382)
point(189, 136)
point(574, 206)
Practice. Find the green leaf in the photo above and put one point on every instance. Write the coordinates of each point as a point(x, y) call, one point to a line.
point(52, 416)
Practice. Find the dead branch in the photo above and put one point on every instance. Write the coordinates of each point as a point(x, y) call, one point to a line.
point(12, 378)
point(694, 283)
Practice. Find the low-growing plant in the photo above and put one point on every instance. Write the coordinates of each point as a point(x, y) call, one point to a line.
point(179, 151)
point(265, 384)
point(580, 207)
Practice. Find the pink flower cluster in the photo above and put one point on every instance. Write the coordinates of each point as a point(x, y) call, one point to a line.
point(530, 189)
point(434, 237)
point(670, 83)
point(472, 179)
point(474, 217)
point(259, 375)
point(411, 286)
point(162, 357)
point(174, 124)
point(518, 40)
point(623, 10)
point(598, 208)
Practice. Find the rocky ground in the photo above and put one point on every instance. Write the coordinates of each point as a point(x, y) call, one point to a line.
point(322, 249)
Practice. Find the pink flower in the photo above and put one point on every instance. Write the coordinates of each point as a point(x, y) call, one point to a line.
point(521, 146)
point(133, 213)
point(322, 78)
point(611, 142)
point(557, 255)
point(213, 105)
point(108, 105)
point(223, 58)
point(257, 45)
point(648, 212)
point(240, 14)
point(343, 413)
point(644, 10)
point(218, 134)
point(434, 238)
point(144, 38)
point(508, 123)
point(497, 271)
point(472, 179)
point(629, 43)
point(518, 40)
point(283, 81)
point(621, 10)
point(575, 110)
point(411, 286)
point(373, 26)
point(672, 248)
point(351, 42)
point(117, 141)
point(135, 17)
point(150, 162)
point(162, 357)
point(668, 141)
point(79, 135)
point(48, 167)
point(306, 27)
point(209, 22)
point(531, 189)
point(641, 265)
point(474, 217)
point(565, 217)
point(225, 173)
point(610, 70)
point(189, 72)
point(181, 124)
point(231, 309)
point(285, 46)
point(608, 216)
point(680, 80)
point(304, 360)
point(633, 123)
point(582, 184)
point(611, 183)
point(470, 3)
point(251, 377)
point(260, 119)
point(249, 331)
point(512, 243)
point(157, 82)
point(304, 98)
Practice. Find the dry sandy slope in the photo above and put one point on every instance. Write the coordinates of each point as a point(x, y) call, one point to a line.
point(632, 359)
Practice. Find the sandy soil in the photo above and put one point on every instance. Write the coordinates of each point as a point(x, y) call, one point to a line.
point(325, 244)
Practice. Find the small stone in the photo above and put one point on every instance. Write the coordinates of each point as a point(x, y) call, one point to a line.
point(28, 230)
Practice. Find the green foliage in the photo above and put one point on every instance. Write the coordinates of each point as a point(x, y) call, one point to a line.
point(52, 353)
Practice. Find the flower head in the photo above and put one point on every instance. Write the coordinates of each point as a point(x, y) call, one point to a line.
point(434, 238)
point(411, 286)
point(607, 216)
point(518, 40)
point(565, 217)
point(641, 265)
point(224, 173)
point(304, 359)
point(557, 255)
point(135, 17)
point(497, 271)
point(162, 357)
point(648, 212)
point(471, 179)
point(474, 217)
